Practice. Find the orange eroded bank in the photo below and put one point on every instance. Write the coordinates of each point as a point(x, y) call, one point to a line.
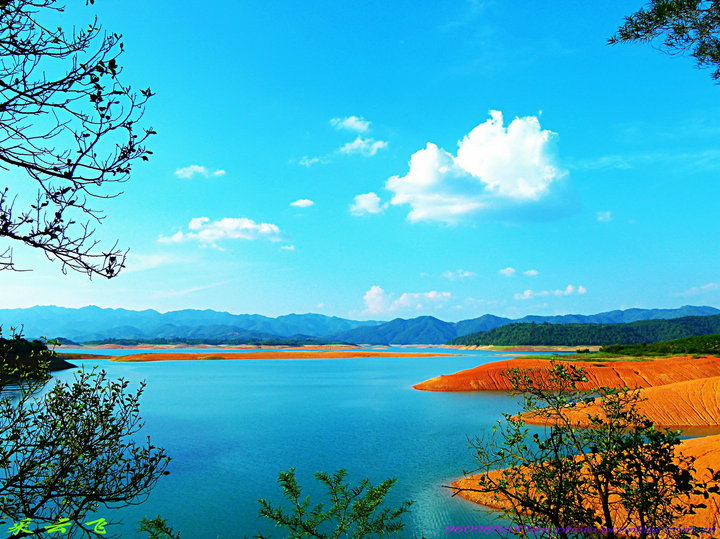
point(705, 451)
point(278, 354)
point(633, 374)
point(693, 403)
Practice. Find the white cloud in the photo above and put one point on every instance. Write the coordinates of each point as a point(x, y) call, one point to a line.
point(366, 203)
point(288, 247)
point(364, 146)
point(568, 291)
point(496, 169)
point(205, 231)
point(697, 290)
point(310, 161)
point(197, 170)
point(302, 203)
point(459, 274)
point(353, 123)
point(604, 216)
point(531, 273)
point(507, 272)
point(377, 301)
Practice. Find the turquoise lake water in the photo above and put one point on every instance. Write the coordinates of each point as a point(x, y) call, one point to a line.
point(231, 426)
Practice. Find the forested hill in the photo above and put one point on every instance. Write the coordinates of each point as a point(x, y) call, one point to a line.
point(647, 331)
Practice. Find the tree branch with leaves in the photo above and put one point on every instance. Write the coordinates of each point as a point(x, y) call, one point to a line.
point(68, 124)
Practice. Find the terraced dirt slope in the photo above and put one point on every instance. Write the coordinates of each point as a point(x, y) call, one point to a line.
point(633, 374)
point(705, 450)
point(693, 403)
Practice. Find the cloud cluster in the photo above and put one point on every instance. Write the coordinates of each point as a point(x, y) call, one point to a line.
point(197, 170)
point(302, 203)
point(496, 168)
point(307, 162)
point(510, 272)
point(568, 291)
point(352, 123)
point(604, 216)
point(363, 146)
point(366, 203)
point(208, 232)
point(377, 301)
point(459, 274)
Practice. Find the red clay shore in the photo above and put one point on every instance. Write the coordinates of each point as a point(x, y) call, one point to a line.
point(678, 392)
point(705, 451)
point(693, 403)
point(633, 374)
point(279, 354)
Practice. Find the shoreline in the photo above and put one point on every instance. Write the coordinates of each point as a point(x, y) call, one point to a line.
point(281, 354)
point(673, 387)
point(343, 346)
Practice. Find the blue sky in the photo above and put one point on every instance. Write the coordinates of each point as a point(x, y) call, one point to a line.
point(393, 159)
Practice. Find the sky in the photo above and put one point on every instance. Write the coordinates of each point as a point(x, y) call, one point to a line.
point(382, 159)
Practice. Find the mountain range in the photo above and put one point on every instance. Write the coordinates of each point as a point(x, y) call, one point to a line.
point(92, 323)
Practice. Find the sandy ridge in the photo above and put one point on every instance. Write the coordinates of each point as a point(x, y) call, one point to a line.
point(633, 374)
point(705, 451)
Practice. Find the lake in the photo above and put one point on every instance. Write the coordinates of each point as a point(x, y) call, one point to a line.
point(231, 426)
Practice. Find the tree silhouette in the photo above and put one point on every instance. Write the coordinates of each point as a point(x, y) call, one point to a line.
point(678, 27)
point(68, 124)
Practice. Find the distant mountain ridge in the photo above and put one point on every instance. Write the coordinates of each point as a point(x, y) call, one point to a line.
point(95, 323)
point(430, 330)
point(641, 331)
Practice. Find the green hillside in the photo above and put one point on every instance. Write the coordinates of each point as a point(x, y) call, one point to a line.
point(647, 331)
point(702, 344)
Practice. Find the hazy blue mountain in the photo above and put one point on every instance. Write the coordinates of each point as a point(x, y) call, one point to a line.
point(622, 317)
point(409, 332)
point(642, 331)
point(484, 323)
point(421, 330)
point(94, 323)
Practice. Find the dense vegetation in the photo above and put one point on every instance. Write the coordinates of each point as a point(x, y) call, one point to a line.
point(647, 331)
point(28, 356)
point(703, 344)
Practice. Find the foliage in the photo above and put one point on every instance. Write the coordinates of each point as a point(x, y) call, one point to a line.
point(679, 27)
point(621, 472)
point(157, 528)
point(703, 344)
point(645, 331)
point(67, 123)
point(354, 511)
point(21, 358)
point(70, 450)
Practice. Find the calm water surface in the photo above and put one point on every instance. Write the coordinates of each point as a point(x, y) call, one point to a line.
point(231, 426)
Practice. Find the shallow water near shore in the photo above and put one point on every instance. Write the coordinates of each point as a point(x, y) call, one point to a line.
point(231, 426)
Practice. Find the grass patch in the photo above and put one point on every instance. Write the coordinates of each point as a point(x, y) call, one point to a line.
point(599, 357)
